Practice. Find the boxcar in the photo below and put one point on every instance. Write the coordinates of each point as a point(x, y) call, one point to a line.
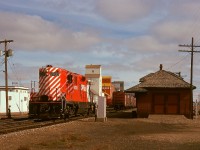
point(122, 100)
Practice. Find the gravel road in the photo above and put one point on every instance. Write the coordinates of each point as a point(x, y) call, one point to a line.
point(119, 132)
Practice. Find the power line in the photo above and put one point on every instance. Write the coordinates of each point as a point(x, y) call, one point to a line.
point(15, 73)
point(181, 59)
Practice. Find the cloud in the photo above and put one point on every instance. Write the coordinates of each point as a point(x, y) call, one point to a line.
point(123, 11)
point(21, 74)
point(188, 9)
point(147, 44)
point(77, 6)
point(180, 23)
point(129, 38)
point(173, 31)
point(118, 66)
point(34, 33)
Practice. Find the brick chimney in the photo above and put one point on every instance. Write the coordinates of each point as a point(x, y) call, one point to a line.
point(161, 66)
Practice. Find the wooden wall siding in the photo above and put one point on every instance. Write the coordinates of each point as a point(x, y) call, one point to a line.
point(164, 101)
point(173, 104)
point(158, 104)
point(143, 105)
point(185, 103)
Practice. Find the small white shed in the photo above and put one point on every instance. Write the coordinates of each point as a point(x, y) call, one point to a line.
point(18, 99)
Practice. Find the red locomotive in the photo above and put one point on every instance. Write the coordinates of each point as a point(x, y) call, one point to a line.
point(61, 94)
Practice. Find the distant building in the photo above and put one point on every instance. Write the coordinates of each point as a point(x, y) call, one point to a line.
point(93, 74)
point(106, 84)
point(119, 85)
point(107, 88)
point(18, 99)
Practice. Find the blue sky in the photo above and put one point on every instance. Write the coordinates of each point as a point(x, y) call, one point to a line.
point(129, 38)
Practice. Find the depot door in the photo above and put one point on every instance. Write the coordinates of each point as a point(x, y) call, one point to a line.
point(166, 103)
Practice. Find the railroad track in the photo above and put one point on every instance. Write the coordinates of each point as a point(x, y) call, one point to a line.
point(12, 125)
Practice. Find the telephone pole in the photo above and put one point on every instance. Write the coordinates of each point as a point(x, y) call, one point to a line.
point(192, 46)
point(7, 53)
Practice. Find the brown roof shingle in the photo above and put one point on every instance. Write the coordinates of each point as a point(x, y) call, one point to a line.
point(160, 79)
point(136, 89)
point(163, 79)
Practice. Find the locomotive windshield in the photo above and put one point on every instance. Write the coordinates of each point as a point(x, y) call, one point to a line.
point(54, 73)
point(44, 73)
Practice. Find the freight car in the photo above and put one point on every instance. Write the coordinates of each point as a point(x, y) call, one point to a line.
point(61, 94)
point(122, 100)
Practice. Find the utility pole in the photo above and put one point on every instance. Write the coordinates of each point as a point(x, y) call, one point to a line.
point(7, 53)
point(192, 46)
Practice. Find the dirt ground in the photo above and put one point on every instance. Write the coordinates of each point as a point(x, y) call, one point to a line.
point(158, 132)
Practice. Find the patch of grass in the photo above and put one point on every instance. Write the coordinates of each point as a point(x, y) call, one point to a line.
point(72, 137)
point(57, 143)
point(75, 138)
point(23, 148)
point(43, 144)
point(64, 141)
